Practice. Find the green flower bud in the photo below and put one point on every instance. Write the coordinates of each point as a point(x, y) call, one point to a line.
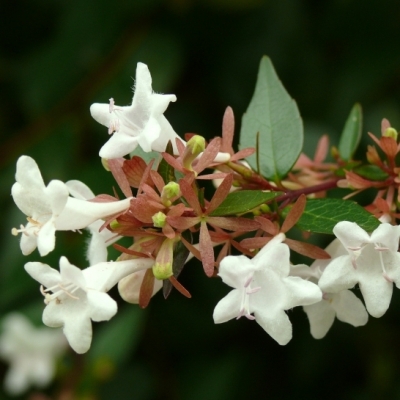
point(162, 268)
point(159, 219)
point(114, 224)
point(194, 147)
point(264, 209)
point(170, 192)
point(391, 132)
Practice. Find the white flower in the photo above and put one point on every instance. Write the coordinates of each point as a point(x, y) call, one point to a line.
point(344, 305)
point(372, 261)
point(97, 248)
point(50, 208)
point(142, 123)
point(31, 353)
point(74, 297)
point(263, 286)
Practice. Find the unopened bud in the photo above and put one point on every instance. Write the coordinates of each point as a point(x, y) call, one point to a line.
point(159, 219)
point(194, 147)
point(264, 209)
point(170, 192)
point(114, 224)
point(104, 162)
point(391, 132)
point(162, 268)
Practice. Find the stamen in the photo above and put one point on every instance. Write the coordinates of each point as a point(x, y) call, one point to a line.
point(114, 126)
point(111, 106)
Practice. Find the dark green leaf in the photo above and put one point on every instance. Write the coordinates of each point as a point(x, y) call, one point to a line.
point(243, 201)
point(181, 253)
point(351, 134)
point(321, 215)
point(166, 170)
point(274, 115)
point(371, 172)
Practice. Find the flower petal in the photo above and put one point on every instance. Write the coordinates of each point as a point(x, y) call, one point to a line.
point(321, 317)
point(277, 325)
point(228, 307)
point(101, 306)
point(43, 273)
point(349, 308)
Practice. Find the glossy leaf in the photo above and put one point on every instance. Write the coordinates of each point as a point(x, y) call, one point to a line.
point(371, 172)
point(321, 215)
point(351, 134)
point(242, 201)
point(274, 115)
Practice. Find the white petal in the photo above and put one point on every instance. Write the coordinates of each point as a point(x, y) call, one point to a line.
point(79, 190)
point(235, 271)
point(119, 145)
point(102, 306)
point(350, 234)
point(71, 274)
point(79, 214)
point(43, 273)
point(143, 88)
point(301, 292)
point(274, 256)
point(101, 113)
point(57, 193)
point(46, 239)
point(28, 243)
point(28, 173)
point(387, 235)
point(321, 317)
point(150, 135)
point(278, 326)
point(78, 332)
point(377, 294)
point(129, 287)
point(105, 275)
point(228, 307)
point(338, 275)
point(349, 308)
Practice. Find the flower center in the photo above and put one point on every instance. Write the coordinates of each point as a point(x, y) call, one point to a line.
point(32, 228)
point(57, 290)
point(245, 304)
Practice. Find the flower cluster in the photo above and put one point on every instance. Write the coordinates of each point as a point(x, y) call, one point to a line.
point(169, 220)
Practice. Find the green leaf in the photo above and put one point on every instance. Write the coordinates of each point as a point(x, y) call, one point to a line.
point(371, 172)
point(321, 215)
point(243, 201)
point(166, 170)
point(351, 134)
point(274, 115)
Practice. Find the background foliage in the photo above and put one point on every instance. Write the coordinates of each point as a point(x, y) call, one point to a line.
point(58, 57)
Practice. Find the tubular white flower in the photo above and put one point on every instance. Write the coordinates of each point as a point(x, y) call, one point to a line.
point(50, 208)
point(74, 297)
point(97, 248)
point(263, 286)
point(31, 353)
point(344, 305)
point(372, 261)
point(41, 204)
point(142, 123)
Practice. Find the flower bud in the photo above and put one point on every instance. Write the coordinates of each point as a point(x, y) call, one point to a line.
point(159, 219)
point(194, 147)
point(170, 193)
point(162, 269)
point(390, 132)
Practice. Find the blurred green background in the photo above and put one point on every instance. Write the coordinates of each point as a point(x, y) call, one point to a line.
point(58, 57)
